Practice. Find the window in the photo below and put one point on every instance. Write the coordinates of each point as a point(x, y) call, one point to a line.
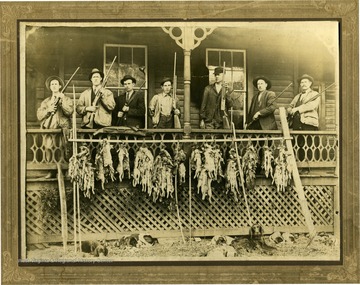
point(131, 60)
point(235, 75)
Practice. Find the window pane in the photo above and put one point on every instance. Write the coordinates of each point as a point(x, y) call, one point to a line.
point(238, 79)
point(213, 58)
point(139, 56)
point(111, 52)
point(238, 59)
point(225, 56)
point(126, 55)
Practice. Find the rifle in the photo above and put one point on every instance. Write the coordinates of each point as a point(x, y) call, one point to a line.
point(177, 123)
point(47, 122)
point(282, 92)
point(225, 118)
point(90, 124)
point(291, 117)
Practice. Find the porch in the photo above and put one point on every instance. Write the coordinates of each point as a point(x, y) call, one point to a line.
point(123, 209)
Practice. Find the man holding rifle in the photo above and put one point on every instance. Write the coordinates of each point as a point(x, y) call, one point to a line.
point(261, 113)
point(130, 105)
point(304, 107)
point(211, 113)
point(58, 107)
point(162, 107)
point(95, 104)
point(54, 113)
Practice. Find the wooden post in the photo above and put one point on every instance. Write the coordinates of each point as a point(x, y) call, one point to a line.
point(298, 185)
point(62, 195)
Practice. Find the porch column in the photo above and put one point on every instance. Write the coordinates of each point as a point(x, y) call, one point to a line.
point(187, 82)
point(188, 38)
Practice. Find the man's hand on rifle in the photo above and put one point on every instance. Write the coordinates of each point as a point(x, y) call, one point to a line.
point(91, 109)
point(256, 116)
point(226, 85)
point(120, 114)
point(125, 108)
point(293, 110)
point(52, 109)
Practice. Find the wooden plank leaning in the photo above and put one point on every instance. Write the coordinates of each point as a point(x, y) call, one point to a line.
point(296, 176)
point(62, 195)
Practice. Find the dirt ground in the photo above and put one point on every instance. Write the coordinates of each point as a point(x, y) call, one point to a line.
point(323, 247)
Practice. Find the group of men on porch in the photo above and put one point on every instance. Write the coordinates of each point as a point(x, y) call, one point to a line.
point(99, 108)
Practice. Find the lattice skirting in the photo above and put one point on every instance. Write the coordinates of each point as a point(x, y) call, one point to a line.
point(120, 210)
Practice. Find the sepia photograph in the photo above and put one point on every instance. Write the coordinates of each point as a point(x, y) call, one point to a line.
point(179, 142)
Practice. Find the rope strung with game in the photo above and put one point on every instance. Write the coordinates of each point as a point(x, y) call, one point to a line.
point(249, 164)
point(207, 162)
point(104, 163)
point(81, 171)
point(124, 162)
point(283, 169)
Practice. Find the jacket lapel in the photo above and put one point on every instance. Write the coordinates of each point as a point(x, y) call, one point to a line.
point(131, 98)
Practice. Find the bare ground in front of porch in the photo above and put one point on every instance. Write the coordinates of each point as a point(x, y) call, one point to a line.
point(324, 247)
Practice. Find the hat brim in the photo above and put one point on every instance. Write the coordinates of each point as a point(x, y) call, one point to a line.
point(166, 80)
point(128, 78)
point(305, 77)
point(92, 73)
point(268, 82)
point(51, 78)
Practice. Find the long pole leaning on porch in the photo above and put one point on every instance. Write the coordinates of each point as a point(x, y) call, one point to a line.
point(74, 140)
point(297, 181)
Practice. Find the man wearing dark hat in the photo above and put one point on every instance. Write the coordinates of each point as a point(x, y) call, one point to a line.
point(304, 107)
point(130, 105)
point(95, 104)
point(162, 107)
point(211, 115)
point(54, 113)
point(261, 113)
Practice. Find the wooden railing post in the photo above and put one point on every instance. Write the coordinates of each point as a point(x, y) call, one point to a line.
point(296, 176)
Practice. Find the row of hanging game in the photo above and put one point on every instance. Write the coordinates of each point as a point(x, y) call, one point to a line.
point(158, 175)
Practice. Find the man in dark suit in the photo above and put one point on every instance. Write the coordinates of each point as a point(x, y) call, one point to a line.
point(261, 114)
point(130, 105)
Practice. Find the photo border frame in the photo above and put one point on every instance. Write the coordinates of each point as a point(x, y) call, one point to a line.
point(347, 271)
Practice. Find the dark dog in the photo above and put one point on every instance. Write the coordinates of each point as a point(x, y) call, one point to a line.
point(96, 248)
point(136, 240)
point(257, 240)
point(256, 232)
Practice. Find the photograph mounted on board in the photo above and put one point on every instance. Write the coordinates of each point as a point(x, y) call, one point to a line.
point(180, 141)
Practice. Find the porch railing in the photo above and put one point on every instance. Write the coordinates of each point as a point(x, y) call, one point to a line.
point(122, 209)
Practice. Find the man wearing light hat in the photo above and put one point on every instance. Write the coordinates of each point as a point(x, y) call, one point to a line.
point(54, 113)
point(261, 113)
point(211, 116)
point(98, 100)
point(130, 105)
point(304, 107)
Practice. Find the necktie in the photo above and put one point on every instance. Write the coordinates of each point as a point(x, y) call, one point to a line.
point(127, 96)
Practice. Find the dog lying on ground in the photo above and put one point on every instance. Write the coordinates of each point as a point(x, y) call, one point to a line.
point(96, 248)
point(257, 240)
point(136, 240)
